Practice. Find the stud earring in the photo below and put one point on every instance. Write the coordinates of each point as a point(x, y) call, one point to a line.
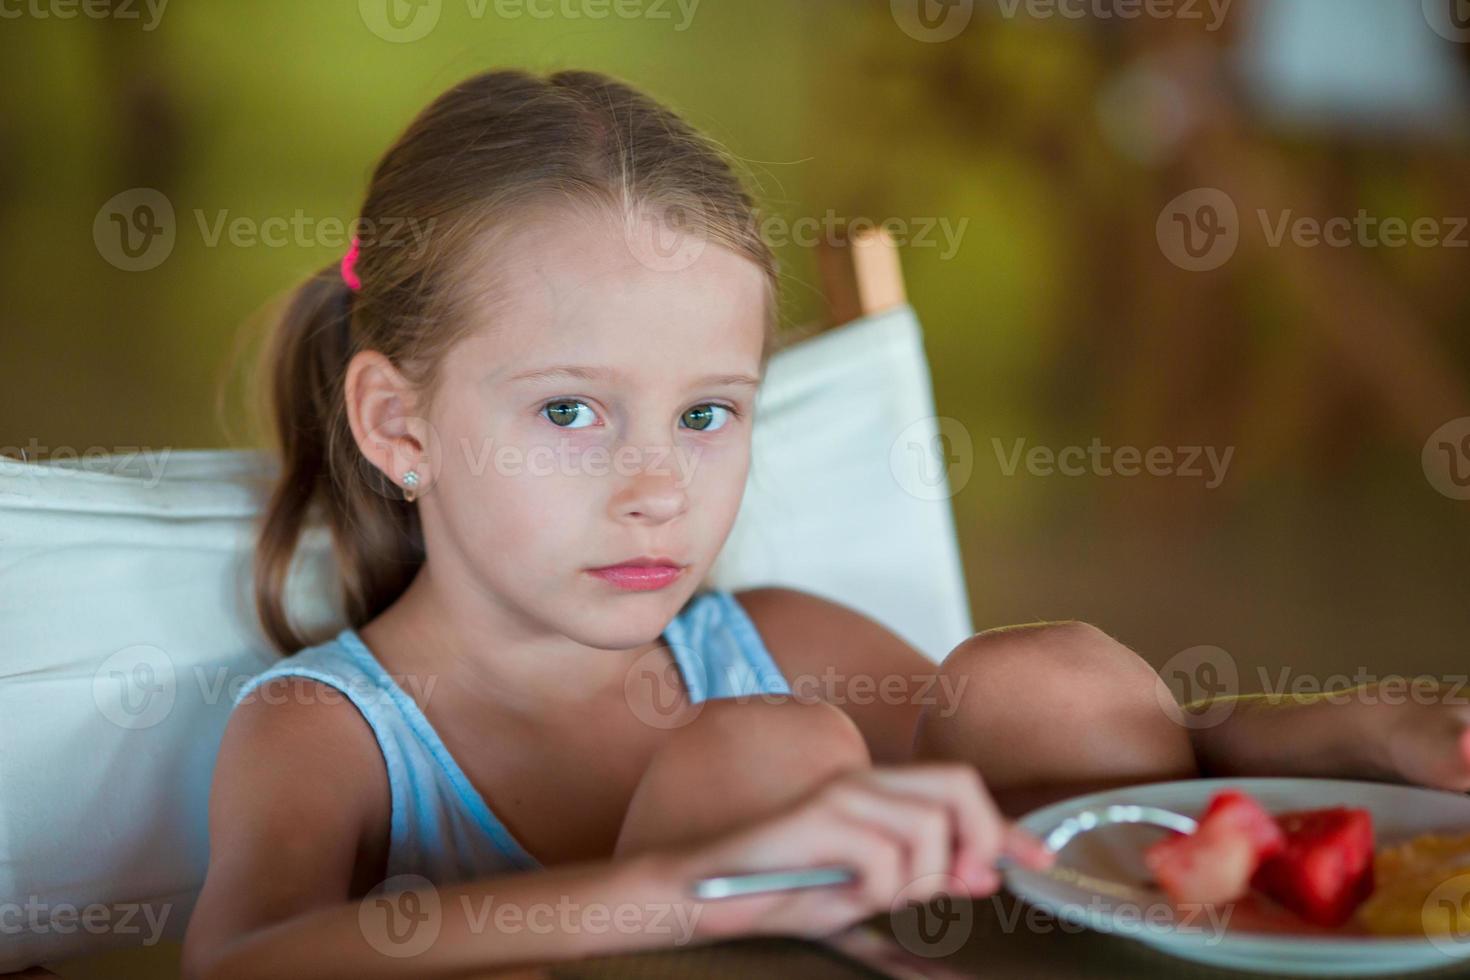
point(410, 485)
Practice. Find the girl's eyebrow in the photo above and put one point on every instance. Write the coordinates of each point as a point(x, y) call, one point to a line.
point(594, 374)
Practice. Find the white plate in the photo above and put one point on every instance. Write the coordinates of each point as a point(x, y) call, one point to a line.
point(1239, 937)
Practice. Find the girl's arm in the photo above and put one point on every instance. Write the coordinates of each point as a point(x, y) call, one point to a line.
point(1036, 702)
point(300, 800)
point(830, 652)
point(910, 833)
point(298, 811)
point(1047, 704)
point(1263, 734)
point(1412, 730)
point(562, 913)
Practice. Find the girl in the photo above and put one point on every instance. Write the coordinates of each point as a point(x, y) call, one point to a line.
point(528, 429)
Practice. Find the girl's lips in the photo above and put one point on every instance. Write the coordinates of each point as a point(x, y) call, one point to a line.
point(638, 578)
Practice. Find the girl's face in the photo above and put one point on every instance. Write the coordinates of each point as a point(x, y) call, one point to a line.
point(601, 414)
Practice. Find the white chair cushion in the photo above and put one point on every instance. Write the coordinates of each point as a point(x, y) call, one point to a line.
point(125, 594)
point(839, 502)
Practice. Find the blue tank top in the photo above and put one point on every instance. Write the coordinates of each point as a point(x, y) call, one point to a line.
point(441, 827)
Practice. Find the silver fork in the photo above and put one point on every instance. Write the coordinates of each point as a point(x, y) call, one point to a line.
point(829, 875)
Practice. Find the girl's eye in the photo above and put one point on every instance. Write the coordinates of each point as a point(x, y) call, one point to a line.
point(706, 418)
point(569, 414)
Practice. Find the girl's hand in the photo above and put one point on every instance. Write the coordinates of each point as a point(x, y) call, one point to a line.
point(911, 832)
point(1429, 743)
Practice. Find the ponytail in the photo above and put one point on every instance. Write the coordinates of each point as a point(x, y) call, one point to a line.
point(375, 534)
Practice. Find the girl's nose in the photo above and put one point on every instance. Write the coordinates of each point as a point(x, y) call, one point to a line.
point(651, 496)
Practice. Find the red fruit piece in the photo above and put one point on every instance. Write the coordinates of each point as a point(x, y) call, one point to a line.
point(1326, 869)
point(1211, 865)
point(1215, 863)
point(1241, 813)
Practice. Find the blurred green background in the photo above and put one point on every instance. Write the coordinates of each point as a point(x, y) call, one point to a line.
point(1060, 143)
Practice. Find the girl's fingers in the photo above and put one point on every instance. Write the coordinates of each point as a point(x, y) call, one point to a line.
point(983, 832)
point(1026, 849)
point(897, 826)
point(925, 828)
point(1462, 746)
point(880, 858)
point(957, 787)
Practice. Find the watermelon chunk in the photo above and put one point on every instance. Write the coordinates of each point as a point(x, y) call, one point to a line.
point(1326, 868)
point(1216, 862)
point(1241, 813)
point(1207, 867)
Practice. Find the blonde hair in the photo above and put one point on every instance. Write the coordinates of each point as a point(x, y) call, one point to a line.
point(487, 151)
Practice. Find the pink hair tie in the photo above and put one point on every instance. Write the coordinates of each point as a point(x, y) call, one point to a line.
point(349, 267)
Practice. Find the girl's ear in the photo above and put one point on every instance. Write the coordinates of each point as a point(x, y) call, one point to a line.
point(381, 407)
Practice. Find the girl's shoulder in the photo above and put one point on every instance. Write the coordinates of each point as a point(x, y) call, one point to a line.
point(340, 663)
point(807, 633)
point(321, 696)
